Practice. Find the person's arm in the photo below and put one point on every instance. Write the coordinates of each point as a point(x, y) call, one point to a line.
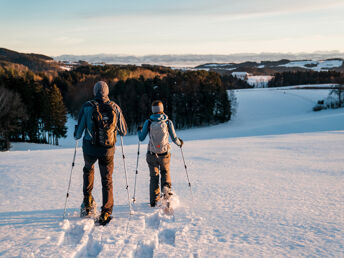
point(121, 123)
point(173, 134)
point(80, 127)
point(143, 133)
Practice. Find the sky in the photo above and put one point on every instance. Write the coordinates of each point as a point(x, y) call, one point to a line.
point(147, 27)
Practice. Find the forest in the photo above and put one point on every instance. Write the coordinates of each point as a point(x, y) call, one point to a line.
point(308, 77)
point(31, 109)
point(191, 98)
point(34, 106)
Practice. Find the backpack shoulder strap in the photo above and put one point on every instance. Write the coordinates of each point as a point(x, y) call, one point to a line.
point(113, 105)
point(93, 103)
point(149, 124)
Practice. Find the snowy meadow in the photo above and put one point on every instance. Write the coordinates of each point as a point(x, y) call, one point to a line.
point(267, 183)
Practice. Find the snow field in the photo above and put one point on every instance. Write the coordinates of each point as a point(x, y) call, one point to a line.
point(256, 196)
point(259, 81)
point(268, 183)
point(317, 65)
point(273, 111)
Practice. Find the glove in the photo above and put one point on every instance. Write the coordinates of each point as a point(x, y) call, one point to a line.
point(181, 142)
point(139, 128)
point(75, 129)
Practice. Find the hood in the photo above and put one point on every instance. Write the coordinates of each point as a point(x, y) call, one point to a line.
point(101, 91)
point(159, 117)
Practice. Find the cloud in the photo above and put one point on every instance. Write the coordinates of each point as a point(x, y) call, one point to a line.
point(274, 8)
point(231, 9)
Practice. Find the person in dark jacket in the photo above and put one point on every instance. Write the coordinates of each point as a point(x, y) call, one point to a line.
point(93, 151)
point(159, 128)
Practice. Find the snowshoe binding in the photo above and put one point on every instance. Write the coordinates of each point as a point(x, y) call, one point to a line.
point(103, 219)
point(88, 208)
point(166, 205)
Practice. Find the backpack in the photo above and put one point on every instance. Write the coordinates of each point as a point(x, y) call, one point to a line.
point(104, 124)
point(158, 134)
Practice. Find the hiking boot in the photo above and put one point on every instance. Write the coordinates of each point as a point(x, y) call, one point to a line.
point(166, 192)
point(88, 207)
point(104, 218)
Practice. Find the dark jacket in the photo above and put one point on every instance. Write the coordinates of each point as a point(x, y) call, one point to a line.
point(85, 123)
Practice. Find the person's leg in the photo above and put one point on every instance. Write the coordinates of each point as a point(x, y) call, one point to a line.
point(164, 162)
point(154, 191)
point(88, 175)
point(106, 169)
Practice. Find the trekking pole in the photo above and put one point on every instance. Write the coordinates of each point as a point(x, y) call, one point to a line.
point(136, 172)
point(187, 175)
point(70, 179)
point(126, 177)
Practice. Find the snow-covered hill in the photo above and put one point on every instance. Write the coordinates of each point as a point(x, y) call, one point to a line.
point(277, 66)
point(268, 183)
point(315, 65)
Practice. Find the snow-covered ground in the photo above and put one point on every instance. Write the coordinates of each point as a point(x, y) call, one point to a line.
point(259, 81)
point(268, 183)
point(315, 65)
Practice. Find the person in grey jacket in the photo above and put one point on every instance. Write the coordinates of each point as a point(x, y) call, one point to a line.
point(93, 152)
point(159, 127)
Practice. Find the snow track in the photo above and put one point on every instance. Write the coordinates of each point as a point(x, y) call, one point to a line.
point(147, 233)
point(78, 236)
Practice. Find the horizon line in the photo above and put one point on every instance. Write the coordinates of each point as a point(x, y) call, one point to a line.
point(209, 54)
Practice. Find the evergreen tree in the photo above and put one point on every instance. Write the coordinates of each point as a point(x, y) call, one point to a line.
point(57, 114)
point(12, 115)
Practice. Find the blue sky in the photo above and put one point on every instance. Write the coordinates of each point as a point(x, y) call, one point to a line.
point(171, 27)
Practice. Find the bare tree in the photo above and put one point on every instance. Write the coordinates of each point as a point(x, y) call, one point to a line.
point(338, 91)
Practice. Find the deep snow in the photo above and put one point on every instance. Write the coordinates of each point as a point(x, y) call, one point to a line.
point(268, 183)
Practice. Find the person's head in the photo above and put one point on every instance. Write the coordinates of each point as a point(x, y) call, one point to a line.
point(101, 89)
point(157, 107)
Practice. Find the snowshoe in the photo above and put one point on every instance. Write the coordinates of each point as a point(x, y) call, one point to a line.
point(166, 201)
point(88, 208)
point(103, 219)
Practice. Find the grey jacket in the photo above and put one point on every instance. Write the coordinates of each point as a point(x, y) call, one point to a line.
point(85, 124)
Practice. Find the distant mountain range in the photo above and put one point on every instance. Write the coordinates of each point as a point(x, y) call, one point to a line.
point(196, 60)
point(272, 67)
point(256, 64)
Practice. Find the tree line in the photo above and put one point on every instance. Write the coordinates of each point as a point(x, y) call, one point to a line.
point(34, 106)
point(191, 98)
point(30, 109)
point(308, 77)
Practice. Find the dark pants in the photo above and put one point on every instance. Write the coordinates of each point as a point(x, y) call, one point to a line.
point(156, 163)
point(106, 168)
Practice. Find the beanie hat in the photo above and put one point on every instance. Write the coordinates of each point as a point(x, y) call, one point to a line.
point(101, 89)
point(157, 107)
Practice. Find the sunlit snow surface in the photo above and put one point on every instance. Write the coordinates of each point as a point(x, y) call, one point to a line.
point(315, 65)
point(268, 183)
